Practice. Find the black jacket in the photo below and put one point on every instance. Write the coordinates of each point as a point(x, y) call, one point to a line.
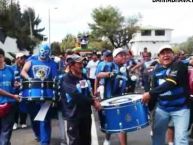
point(76, 100)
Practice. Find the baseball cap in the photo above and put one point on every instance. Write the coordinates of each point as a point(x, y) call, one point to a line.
point(118, 50)
point(73, 58)
point(107, 53)
point(20, 54)
point(164, 47)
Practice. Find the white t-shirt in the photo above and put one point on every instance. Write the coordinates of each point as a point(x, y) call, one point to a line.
point(92, 68)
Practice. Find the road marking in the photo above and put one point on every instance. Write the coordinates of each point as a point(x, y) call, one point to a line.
point(94, 132)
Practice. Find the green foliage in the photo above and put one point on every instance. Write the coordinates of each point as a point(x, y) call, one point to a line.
point(69, 42)
point(187, 46)
point(55, 48)
point(23, 26)
point(98, 43)
point(109, 23)
point(106, 21)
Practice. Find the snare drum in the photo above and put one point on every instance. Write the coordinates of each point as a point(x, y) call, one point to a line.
point(35, 89)
point(124, 113)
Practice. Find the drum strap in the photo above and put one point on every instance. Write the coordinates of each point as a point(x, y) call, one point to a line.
point(43, 111)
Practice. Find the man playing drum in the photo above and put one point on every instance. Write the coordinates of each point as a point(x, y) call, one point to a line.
point(170, 87)
point(40, 67)
point(76, 101)
point(113, 85)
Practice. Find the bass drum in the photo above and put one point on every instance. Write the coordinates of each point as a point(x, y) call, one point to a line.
point(124, 113)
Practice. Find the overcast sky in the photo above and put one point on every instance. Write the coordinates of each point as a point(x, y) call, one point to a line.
point(73, 16)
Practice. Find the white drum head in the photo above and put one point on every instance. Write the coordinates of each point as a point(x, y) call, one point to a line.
point(121, 100)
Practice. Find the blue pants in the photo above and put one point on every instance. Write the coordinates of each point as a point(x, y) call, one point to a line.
point(42, 129)
point(160, 125)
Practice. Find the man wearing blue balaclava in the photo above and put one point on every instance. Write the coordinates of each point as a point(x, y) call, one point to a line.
point(44, 51)
point(43, 68)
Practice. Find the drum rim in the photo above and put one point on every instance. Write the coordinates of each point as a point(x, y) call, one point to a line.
point(119, 104)
point(127, 129)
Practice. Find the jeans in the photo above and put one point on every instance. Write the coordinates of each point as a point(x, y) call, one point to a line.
point(160, 124)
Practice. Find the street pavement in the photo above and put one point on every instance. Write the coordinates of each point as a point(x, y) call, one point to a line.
point(26, 137)
point(139, 137)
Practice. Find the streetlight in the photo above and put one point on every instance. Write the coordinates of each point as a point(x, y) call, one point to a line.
point(49, 24)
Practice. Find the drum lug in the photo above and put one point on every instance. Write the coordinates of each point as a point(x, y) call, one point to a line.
point(138, 125)
point(42, 84)
point(135, 108)
point(30, 85)
point(118, 112)
point(106, 126)
point(42, 94)
point(120, 125)
point(29, 92)
point(54, 95)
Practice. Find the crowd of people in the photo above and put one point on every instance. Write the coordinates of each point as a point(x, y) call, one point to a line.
point(83, 82)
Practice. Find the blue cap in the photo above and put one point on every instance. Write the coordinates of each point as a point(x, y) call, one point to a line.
point(107, 53)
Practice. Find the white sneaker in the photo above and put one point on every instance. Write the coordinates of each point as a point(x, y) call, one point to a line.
point(170, 143)
point(23, 126)
point(15, 126)
point(151, 133)
point(106, 142)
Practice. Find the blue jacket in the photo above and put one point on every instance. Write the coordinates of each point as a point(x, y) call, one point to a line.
point(170, 86)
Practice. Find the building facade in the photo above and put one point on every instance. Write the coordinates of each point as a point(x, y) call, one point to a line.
point(8, 44)
point(150, 37)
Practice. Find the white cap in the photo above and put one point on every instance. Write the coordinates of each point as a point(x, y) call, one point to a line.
point(19, 55)
point(164, 47)
point(118, 50)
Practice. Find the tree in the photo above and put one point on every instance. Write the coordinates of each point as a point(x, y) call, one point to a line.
point(23, 26)
point(100, 44)
point(187, 46)
point(109, 23)
point(55, 48)
point(30, 34)
point(69, 42)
